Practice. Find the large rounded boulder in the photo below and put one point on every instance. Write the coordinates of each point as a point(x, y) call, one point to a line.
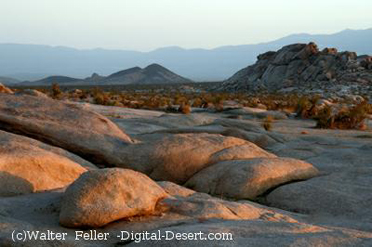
point(99, 197)
point(28, 166)
point(247, 179)
point(178, 157)
point(86, 133)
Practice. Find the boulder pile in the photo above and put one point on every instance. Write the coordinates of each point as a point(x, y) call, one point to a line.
point(301, 65)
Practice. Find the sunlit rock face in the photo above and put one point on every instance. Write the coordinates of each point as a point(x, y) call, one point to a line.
point(177, 157)
point(28, 166)
point(79, 131)
point(247, 179)
point(4, 89)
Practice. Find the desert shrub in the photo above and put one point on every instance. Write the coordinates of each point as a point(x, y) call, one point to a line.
point(151, 102)
point(84, 95)
point(268, 123)
point(303, 107)
point(184, 108)
point(349, 118)
point(307, 107)
point(270, 103)
point(324, 119)
point(100, 97)
point(218, 107)
point(180, 99)
point(198, 102)
point(369, 109)
point(207, 104)
point(218, 99)
point(56, 91)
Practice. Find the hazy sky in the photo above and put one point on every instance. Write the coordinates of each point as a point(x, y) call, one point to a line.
point(148, 24)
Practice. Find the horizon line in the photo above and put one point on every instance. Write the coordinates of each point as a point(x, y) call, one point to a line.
point(176, 46)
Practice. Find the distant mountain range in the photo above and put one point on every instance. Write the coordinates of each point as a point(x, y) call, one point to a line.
point(8, 80)
point(31, 62)
point(152, 74)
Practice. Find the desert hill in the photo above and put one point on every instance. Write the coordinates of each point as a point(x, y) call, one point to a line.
point(54, 79)
point(152, 74)
point(8, 80)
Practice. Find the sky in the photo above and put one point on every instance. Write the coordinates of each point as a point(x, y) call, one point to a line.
point(145, 25)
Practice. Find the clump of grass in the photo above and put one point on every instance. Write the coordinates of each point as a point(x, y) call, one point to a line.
point(268, 123)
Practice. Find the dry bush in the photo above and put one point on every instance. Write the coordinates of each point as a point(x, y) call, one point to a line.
point(198, 102)
point(84, 95)
point(165, 100)
point(184, 108)
point(56, 91)
point(180, 99)
point(99, 96)
point(268, 123)
point(219, 107)
point(352, 118)
point(304, 107)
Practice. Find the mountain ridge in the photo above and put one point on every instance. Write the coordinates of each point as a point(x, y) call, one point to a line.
point(151, 74)
point(18, 61)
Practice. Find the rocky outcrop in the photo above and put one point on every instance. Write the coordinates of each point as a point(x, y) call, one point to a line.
point(247, 179)
point(32, 92)
point(82, 132)
point(343, 191)
point(28, 166)
point(250, 112)
point(366, 62)
point(327, 210)
point(177, 157)
point(341, 194)
point(4, 89)
point(300, 65)
point(175, 190)
point(249, 223)
point(99, 197)
point(265, 233)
